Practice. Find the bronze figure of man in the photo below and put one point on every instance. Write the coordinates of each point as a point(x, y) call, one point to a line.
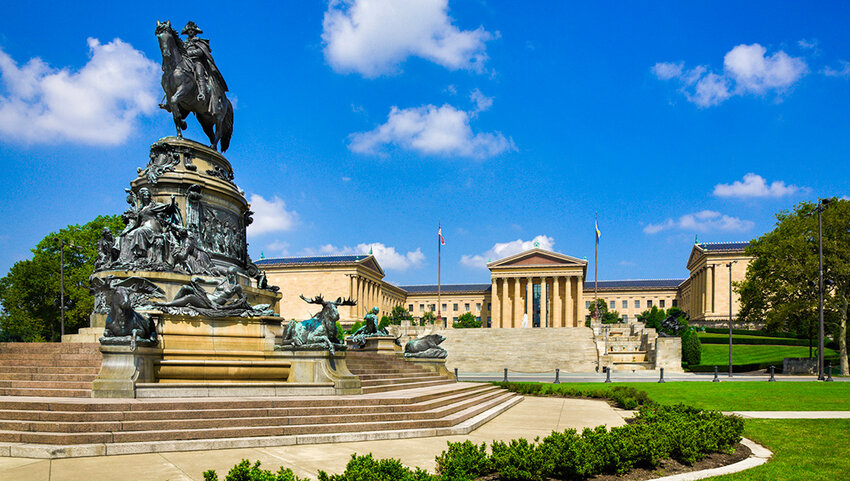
point(207, 75)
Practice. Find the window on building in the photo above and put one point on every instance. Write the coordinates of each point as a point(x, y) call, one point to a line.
point(649, 303)
point(466, 307)
point(489, 307)
point(444, 308)
point(587, 305)
point(489, 320)
point(478, 306)
point(454, 307)
point(612, 305)
point(625, 304)
point(675, 303)
point(637, 303)
point(421, 307)
point(478, 318)
point(454, 319)
point(625, 318)
point(432, 307)
point(661, 303)
point(410, 308)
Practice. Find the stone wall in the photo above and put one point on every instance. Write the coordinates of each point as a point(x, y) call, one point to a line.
point(668, 353)
point(570, 349)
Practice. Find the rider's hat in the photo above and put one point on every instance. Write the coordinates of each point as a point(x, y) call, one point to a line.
point(191, 28)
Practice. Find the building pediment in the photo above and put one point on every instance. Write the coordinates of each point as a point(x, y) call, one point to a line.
point(538, 258)
point(372, 264)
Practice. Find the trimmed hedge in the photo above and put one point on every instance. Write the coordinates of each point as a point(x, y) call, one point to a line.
point(244, 471)
point(766, 341)
point(623, 397)
point(691, 347)
point(750, 332)
point(680, 432)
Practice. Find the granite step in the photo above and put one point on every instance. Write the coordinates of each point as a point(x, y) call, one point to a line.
point(49, 347)
point(93, 370)
point(34, 376)
point(399, 386)
point(45, 392)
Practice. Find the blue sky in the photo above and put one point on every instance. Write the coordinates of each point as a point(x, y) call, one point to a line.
point(361, 124)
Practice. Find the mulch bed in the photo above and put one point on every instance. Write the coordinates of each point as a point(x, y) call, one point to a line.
point(668, 467)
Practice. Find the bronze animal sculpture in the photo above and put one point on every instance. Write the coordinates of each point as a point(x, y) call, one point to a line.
point(193, 84)
point(426, 347)
point(318, 332)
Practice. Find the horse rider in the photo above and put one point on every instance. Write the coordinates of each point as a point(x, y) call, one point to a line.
point(203, 66)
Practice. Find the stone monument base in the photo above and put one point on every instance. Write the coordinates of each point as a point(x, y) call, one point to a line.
point(435, 365)
point(377, 345)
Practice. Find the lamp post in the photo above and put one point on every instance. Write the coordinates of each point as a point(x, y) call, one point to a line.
point(729, 265)
point(822, 203)
point(62, 245)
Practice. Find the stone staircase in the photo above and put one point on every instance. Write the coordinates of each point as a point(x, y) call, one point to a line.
point(53, 428)
point(382, 373)
point(48, 369)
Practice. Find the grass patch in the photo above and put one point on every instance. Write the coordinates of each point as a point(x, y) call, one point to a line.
point(712, 338)
point(718, 354)
point(735, 396)
point(803, 449)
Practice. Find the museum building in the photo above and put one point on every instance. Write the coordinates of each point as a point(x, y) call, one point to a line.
point(534, 288)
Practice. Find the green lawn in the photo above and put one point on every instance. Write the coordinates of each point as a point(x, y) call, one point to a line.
point(740, 336)
point(810, 449)
point(718, 354)
point(745, 396)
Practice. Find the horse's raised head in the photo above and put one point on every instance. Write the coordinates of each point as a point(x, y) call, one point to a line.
point(163, 26)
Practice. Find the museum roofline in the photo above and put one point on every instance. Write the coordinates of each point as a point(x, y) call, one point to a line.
point(446, 288)
point(311, 260)
point(723, 246)
point(636, 284)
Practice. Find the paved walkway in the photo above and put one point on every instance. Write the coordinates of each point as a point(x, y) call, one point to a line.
point(531, 418)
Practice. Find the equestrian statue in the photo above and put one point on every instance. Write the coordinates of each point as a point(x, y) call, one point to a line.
point(193, 84)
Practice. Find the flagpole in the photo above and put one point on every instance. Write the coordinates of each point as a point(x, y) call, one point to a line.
point(595, 268)
point(439, 284)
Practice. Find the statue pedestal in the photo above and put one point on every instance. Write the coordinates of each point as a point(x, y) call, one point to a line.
point(318, 367)
point(435, 365)
point(122, 368)
point(377, 345)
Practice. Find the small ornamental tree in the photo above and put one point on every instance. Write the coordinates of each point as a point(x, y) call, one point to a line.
point(398, 314)
point(606, 316)
point(466, 320)
point(426, 318)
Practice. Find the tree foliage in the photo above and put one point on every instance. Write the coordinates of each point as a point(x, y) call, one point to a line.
point(29, 293)
point(427, 317)
point(780, 287)
point(398, 314)
point(466, 320)
point(606, 316)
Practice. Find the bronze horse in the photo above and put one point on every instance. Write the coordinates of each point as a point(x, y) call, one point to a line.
point(214, 112)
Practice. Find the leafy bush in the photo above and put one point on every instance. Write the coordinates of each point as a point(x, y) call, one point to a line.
point(340, 332)
point(519, 460)
point(463, 462)
point(244, 471)
point(465, 321)
point(691, 347)
point(354, 327)
point(385, 321)
point(366, 468)
point(623, 397)
point(398, 314)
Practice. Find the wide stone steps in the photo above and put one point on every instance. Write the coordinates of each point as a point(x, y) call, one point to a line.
point(72, 423)
point(48, 369)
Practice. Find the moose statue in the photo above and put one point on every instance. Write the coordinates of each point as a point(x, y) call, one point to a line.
point(318, 332)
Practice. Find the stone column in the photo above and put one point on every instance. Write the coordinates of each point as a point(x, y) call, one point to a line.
point(557, 303)
point(544, 305)
point(352, 293)
point(529, 300)
point(494, 301)
point(569, 316)
point(517, 317)
point(576, 308)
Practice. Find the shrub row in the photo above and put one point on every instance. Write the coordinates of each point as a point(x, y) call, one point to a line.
point(750, 332)
point(765, 341)
point(659, 432)
point(622, 396)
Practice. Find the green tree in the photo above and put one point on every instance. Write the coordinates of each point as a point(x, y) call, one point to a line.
point(778, 290)
point(29, 293)
point(606, 316)
point(466, 320)
point(428, 317)
point(398, 314)
point(652, 317)
point(384, 322)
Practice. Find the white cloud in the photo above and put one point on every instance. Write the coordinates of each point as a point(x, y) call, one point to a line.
point(845, 197)
point(97, 104)
point(755, 72)
point(270, 216)
point(431, 130)
point(387, 256)
point(842, 71)
point(277, 248)
point(754, 185)
point(808, 44)
point(500, 250)
point(373, 37)
point(703, 221)
point(346, 179)
point(746, 70)
point(481, 101)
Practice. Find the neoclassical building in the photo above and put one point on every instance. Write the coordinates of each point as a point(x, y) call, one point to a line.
point(535, 288)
